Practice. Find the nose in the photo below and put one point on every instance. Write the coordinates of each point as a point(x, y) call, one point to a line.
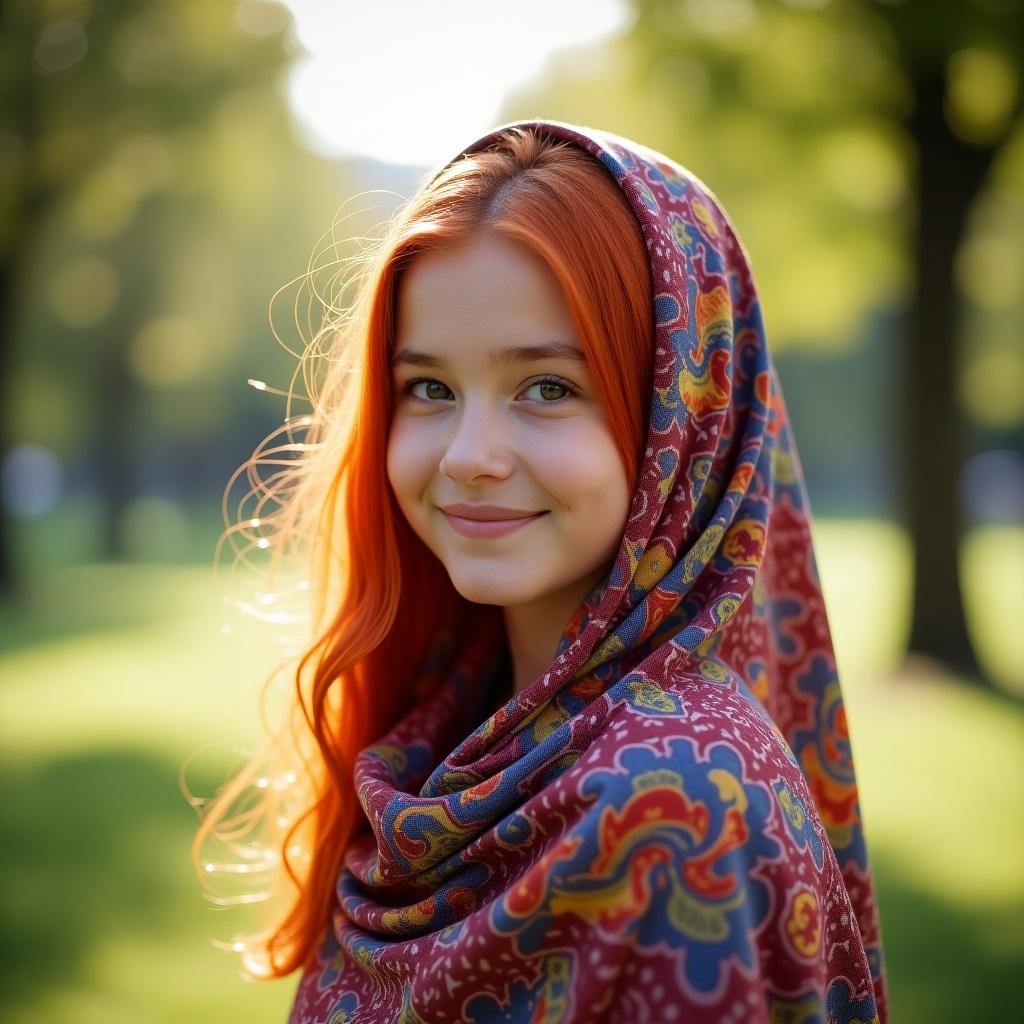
point(475, 449)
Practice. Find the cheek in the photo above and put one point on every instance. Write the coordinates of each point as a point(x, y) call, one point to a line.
point(406, 463)
point(587, 475)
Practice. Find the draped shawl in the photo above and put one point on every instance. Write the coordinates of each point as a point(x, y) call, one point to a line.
point(664, 826)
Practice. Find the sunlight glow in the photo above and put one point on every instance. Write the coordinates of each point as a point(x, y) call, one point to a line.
point(413, 83)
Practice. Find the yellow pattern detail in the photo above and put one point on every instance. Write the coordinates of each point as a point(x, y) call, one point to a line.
point(651, 696)
point(700, 212)
point(655, 562)
point(609, 648)
point(712, 669)
point(701, 553)
point(803, 926)
point(730, 789)
point(549, 719)
point(793, 808)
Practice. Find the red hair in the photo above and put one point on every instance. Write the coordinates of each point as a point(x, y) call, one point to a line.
point(380, 596)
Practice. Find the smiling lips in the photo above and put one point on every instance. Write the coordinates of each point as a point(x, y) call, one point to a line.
point(487, 520)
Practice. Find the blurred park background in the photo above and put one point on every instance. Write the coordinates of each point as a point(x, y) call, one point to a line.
point(168, 165)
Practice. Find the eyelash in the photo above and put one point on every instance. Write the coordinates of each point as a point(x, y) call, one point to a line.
point(406, 389)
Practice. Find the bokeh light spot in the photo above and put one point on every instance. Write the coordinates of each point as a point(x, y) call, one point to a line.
point(61, 45)
point(990, 271)
point(982, 87)
point(169, 351)
point(85, 291)
point(261, 17)
point(993, 387)
point(30, 480)
point(863, 167)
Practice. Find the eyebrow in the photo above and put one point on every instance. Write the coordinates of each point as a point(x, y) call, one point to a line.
point(503, 356)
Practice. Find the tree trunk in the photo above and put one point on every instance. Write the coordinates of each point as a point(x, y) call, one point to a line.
point(115, 435)
point(15, 262)
point(119, 411)
point(8, 297)
point(950, 175)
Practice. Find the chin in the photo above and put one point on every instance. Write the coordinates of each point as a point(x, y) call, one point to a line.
point(491, 590)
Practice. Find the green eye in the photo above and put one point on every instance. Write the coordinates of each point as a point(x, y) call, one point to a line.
point(409, 385)
point(546, 387)
point(553, 390)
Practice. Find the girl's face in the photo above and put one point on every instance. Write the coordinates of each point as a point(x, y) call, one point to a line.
point(494, 406)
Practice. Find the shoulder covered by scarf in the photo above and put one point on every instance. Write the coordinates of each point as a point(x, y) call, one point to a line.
point(665, 826)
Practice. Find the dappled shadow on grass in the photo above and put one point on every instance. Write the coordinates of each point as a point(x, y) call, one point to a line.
point(926, 672)
point(64, 603)
point(95, 844)
point(947, 964)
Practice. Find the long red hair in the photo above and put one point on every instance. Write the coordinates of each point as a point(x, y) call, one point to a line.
point(379, 596)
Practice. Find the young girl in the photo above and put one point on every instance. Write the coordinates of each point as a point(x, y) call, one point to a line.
point(577, 748)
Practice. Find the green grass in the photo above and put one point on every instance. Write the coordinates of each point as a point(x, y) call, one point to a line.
point(112, 676)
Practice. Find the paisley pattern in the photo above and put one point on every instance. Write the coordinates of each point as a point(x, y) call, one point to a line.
point(665, 825)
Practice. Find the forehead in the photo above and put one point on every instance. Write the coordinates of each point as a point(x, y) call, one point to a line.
point(479, 297)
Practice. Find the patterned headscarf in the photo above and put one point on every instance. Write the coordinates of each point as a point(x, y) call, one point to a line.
point(664, 826)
